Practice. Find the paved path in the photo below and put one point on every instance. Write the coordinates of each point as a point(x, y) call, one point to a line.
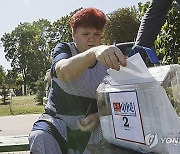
point(17, 125)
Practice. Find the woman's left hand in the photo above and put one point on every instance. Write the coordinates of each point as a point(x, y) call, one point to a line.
point(89, 123)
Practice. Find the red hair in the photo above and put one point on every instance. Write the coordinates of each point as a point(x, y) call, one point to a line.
point(88, 17)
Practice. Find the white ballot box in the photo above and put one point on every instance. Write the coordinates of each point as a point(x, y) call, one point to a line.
point(139, 107)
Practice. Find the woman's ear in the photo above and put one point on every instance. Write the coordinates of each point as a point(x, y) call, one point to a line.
point(73, 34)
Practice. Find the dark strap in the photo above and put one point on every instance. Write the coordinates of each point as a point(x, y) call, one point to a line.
point(55, 133)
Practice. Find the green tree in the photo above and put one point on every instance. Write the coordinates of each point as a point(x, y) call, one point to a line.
point(2, 76)
point(61, 30)
point(18, 85)
point(142, 8)
point(168, 41)
point(5, 93)
point(40, 87)
point(27, 47)
point(4, 89)
point(122, 26)
point(10, 79)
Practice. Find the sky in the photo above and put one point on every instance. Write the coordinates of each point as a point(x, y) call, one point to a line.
point(14, 12)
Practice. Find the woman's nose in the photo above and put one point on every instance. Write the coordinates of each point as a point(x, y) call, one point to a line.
point(91, 38)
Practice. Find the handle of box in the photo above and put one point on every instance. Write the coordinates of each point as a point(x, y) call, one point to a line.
point(150, 53)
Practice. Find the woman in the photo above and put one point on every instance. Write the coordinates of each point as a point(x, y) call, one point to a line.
point(77, 70)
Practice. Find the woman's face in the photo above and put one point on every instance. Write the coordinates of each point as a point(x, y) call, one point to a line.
point(86, 38)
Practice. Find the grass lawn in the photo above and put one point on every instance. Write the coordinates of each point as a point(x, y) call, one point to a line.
point(21, 105)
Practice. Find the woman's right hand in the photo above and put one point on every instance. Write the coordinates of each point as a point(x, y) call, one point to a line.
point(110, 56)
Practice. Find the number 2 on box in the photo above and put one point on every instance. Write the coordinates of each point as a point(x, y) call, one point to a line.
point(126, 122)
